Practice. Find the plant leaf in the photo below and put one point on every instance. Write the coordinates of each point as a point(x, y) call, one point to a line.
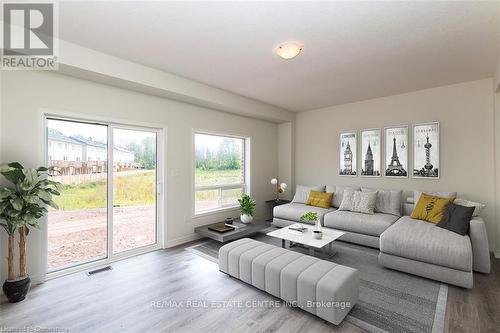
point(31, 176)
point(5, 168)
point(15, 165)
point(44, 195)
point(5, 192)
point(13, 175)
point(17, 203)
point(54, 192)
point(53, 204)
point(31, 199)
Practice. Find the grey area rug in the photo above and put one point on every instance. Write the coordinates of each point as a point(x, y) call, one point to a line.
point(389, 301)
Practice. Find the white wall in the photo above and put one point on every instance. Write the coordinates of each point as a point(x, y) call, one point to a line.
point(466, 115)
point(26, 92)
point(286, 156)
point(496, 84)
point(497, 172)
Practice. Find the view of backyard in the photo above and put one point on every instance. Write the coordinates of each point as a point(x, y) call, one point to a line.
point(78, 230)
point(219, 171)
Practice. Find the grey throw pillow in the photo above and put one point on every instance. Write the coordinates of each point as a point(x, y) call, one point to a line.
point(302, 192)
point(347, 201)
point(478, 207)
point(456, 218)
point(388, 201)
point(339, 193)
point(359, 202)
point(416, 194)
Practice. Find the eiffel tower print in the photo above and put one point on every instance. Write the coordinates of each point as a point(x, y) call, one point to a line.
point(395, 168)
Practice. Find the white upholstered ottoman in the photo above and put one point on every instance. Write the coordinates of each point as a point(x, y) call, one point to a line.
point(318, 286)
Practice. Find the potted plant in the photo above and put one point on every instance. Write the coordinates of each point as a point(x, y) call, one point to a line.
point(309, 217)
point(21, 207)
point(247, 207)
point(312, 217)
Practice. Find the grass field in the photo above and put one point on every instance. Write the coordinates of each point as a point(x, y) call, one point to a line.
point(129, 190)
point(211, 177)
point(138, 190)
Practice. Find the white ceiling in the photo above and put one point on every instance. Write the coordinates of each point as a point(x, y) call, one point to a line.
point(352, 50)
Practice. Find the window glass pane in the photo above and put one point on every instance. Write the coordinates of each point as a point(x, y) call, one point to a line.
point(77, 232)
point(206, 200)
point(134, 188)
point(219, 171)
point(218, 160)
point(230, 197)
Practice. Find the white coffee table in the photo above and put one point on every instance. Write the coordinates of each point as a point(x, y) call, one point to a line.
point(306, 238)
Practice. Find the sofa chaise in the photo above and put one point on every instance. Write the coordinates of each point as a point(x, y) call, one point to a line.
point(409, 245)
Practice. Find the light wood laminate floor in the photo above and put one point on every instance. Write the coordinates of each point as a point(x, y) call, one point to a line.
point(150, 293)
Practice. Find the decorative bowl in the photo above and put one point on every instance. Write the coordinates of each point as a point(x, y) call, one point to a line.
point(317, 234)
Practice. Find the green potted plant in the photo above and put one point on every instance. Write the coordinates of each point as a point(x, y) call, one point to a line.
point(247, 208)
point(312, 217)
point(21, 207)
point(309, 217)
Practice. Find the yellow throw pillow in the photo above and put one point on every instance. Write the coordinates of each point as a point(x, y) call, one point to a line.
point(430, 208)
point(319, 199)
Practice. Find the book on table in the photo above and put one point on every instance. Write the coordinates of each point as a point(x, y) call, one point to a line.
point(297, 227)
point(221, 227)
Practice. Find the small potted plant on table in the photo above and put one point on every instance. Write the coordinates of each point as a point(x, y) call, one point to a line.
point(312, 217)
point(247, 207)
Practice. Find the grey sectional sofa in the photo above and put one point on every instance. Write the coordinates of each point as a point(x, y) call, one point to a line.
point(359, 228)
point(409, 245)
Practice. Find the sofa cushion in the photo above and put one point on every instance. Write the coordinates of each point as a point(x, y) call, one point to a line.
point(360, 202)
point(372, 225)
point(302, 192)
point(339, 194)
point(331, 189)
point(388, 201)
point(422, 241)
point(320, 199)
point(293, 211)
point(416, 194)
point(457, 218)
point(478, 207)
point(430, 208)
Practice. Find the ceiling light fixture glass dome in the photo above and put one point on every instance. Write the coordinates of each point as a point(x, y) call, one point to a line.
point(289, 51)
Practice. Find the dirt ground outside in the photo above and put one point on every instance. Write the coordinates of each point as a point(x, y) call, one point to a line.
point(81, 235)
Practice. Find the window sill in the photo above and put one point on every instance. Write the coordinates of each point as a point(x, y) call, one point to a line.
point(215, 211)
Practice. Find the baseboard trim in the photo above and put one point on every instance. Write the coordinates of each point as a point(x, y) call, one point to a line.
point(38, 279)
point(182, 240)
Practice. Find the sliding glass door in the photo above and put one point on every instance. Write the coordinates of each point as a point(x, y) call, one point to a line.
point(109, 202)
point(134, 189)
point(78, 231)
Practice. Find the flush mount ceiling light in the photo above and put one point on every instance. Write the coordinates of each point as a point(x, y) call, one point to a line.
point(288, 51)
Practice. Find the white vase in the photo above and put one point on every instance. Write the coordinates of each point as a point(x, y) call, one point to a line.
point(246, 218)
point(318, 225)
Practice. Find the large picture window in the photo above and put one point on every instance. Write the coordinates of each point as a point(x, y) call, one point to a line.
point(220, 171)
